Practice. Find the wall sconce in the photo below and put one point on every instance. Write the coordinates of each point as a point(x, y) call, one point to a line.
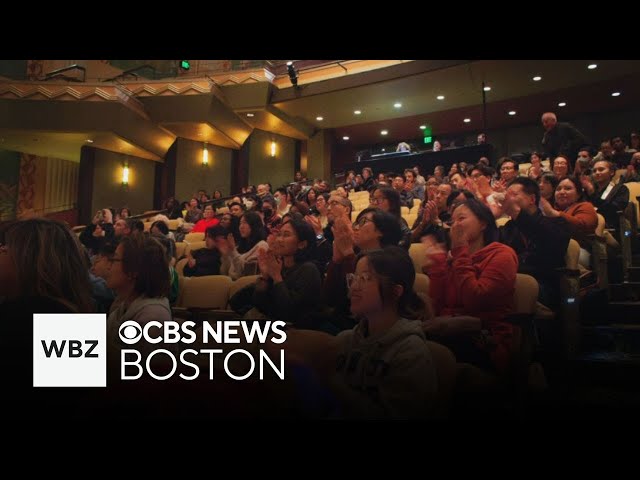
point(273, 148)
point(125, 174)
point(205, 156)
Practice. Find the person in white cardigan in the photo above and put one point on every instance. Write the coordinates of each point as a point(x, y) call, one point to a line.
point(237, 261)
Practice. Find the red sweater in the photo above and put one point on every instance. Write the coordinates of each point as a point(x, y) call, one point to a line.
point(480, 285)
point(583, 220)
point(202, 225)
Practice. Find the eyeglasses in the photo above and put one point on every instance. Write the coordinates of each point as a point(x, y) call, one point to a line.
point(375, 201)
point(355, 278)
point(362, 222)
point(333, 203)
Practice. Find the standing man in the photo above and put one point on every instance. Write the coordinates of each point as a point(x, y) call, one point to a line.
point(561, 138)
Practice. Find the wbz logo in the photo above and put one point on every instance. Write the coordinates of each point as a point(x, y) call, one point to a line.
point(69, 350)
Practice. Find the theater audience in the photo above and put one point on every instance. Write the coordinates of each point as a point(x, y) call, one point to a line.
point(388, 200)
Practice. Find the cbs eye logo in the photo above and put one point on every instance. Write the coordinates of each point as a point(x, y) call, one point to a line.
point(130, 332)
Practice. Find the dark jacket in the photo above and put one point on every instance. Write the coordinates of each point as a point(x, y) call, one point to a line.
point(563, 139)
point(541, 245)
point(207, 263)
point(617, 200)
point(293, 299)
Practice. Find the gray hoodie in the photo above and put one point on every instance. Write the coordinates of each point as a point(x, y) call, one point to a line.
point(390, 375)
point(142, 310)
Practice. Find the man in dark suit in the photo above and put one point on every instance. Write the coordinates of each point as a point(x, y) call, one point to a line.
point(561, 138)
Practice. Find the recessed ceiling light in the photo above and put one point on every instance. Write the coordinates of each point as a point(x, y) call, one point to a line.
point(423, 127)
point(397, 105)
point(250, 115)
point(615, 94)
point(487, 89)
point(384, 132)
point(512, 112)
point(537, 78)
point(466, 120)
point(383, 150)
point(440, 97)
point(345, 138)
point(319, 119)
point(357, 112)
point(89, 140)
point(289, 63)
point(562, 104)
point(592, 66)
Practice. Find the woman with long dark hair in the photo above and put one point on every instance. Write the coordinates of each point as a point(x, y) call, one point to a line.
point(241, 260)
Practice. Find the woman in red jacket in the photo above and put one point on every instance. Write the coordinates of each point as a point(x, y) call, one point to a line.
point(478, 281)
point(580, 214)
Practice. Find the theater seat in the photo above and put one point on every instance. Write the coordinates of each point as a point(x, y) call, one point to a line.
point(241, 283)
point(418, 255)
point(194, 237)
point(181, 248)
point(208, 292)
point(192, 247)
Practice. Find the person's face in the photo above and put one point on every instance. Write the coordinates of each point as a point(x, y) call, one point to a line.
point(546, 189)
point(606, 149)
point(470, 224)
point(365, 174)
point(225, 221)
point(416, 171)
point(342, 192)
point(378, 201)
point(584, 156)
point(262, 190)
point(101, 266)
point(245, 229)
point(8, 273)
point(398, 183)
point(453, 169)
point(535, 160)
point(432, 183)
point(116, 278)
point(335, 209)
point(601, 173)
point(311, 196)
point(193, 203)
point(635, 142)
point(516, 194)
point(365, 234)
point(566, 194)
point(508, 171)
point(617, 144)
point(462, 166)
point(409, 176)
point(548, 122)
point(438, 172)
point(208, 212)
point(456, 180)
point(287, 243)
point(217, 195)
point(381, 177)
point(120, 228)
point(321, 203)
point(210, 242)
point(267, 210)
point(560, 167)
point(484, 160)
point(442, 194)
point(156, 231)
point(297, 177)
point(475, 174)
point(236, 211)
point(124, 213)
point(364, 290)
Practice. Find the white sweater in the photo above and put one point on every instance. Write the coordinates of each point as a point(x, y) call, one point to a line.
point(233, 264)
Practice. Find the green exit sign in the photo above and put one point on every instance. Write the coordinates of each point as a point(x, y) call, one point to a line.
point(185, 65)
point(428, 139)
